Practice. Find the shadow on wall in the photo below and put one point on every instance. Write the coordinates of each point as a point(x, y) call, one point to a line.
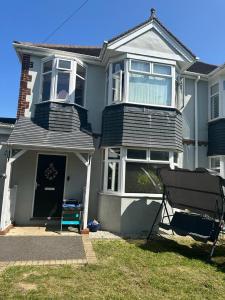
point(137, 217)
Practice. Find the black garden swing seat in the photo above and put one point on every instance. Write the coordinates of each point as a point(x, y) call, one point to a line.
point(199, 196)
point(200, 228)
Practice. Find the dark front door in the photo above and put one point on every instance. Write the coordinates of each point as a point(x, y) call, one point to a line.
point(49, 186)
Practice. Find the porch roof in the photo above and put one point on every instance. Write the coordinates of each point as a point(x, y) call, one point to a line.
point(28, 135)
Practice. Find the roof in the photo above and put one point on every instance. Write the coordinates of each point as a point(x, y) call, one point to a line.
point(145, 23)
point(29, 135)
point(87, 50)
point(9, 121)
point(202, 68)
point(95, 50)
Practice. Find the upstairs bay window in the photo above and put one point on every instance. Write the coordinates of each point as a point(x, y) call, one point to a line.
point(63, 80)
point(141, 82)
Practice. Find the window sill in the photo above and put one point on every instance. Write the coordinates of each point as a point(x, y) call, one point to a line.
point(132, 195)
point(63, 102)
point(215, 119)
point(150, 106)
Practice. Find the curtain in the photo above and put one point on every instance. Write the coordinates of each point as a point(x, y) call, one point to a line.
point(147, 89)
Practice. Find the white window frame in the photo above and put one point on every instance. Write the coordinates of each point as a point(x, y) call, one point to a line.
point(210, 101)
point(128, 70)
point(151, 73)
point(54, 79)
point(122, 169)
point(222, 164)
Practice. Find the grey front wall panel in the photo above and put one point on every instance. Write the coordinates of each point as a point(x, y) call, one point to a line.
point(95, 185)
point(125, 215)
point(188, 110)
point(34, 85)
point(95, 96)
point(203, 110)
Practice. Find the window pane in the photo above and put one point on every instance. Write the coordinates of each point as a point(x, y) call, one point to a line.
point(215, 162)
point(142, 178)
point(140, 66)
point(150, 90)
point(161, 69)
point(136, 154)
point(81, 71)
point(118, 84)
point(118, 66)
point(79, 91)
point(63, 85)
point(113, 173)
point(159, 155)
point(65, 64)
point(215, 106)
point(47, 67)
point(214, 89)
point(46, 86)
point(114, 153)
point(175, 157)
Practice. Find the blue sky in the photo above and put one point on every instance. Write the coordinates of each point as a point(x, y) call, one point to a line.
point(199, 24)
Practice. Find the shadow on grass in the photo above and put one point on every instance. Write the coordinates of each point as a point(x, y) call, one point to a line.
point(192, 250)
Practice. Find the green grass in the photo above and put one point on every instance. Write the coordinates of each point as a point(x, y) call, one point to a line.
point(162, 269)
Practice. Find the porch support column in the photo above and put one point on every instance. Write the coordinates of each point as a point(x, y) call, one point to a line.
point(87, 192)
point(5, 213)
point(5, 198)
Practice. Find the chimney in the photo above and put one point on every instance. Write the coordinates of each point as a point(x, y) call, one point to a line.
point(153, 14)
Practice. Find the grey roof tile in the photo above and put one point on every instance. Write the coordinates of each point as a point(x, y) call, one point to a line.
point(28, 134)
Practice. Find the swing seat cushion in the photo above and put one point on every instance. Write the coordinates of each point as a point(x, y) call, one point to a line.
point(196, 226)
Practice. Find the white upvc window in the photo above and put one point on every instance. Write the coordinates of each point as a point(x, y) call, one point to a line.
point(215, 163)
point(131, 171)
point(214, 101)
point(118, 81)
point(150, 83)
point(63, 80)
point(141, 82)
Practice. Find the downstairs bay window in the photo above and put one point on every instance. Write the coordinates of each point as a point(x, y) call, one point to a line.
point(62, 80)
point(131, 171)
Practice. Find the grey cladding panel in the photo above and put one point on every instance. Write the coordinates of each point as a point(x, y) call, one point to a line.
point(60, 116)
point(216, 138)
point(133, 125)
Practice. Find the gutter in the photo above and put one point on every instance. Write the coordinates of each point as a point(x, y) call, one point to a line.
point(196, 120)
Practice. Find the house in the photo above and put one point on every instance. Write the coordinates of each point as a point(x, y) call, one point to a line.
point(95, 124)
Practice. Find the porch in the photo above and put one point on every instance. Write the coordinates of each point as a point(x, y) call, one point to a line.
point(41, 174)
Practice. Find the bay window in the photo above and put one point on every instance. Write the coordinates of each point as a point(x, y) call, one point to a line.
point(141, 82)
point(135, 171)
point(63, 80)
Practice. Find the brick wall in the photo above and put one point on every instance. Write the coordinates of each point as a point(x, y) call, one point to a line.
point(24, 90)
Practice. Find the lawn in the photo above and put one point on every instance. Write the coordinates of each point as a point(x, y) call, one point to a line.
point(162, 269)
